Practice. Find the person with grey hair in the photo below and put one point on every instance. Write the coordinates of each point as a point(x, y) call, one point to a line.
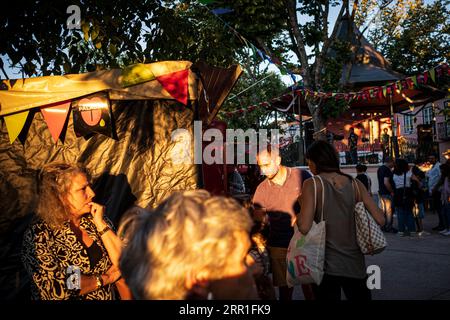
point(192, 246)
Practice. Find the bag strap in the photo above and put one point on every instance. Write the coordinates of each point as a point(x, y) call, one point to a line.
point(315, 194)
point(323, 197)
point(356, 187)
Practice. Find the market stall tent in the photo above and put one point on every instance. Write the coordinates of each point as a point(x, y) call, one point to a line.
point(134, 165)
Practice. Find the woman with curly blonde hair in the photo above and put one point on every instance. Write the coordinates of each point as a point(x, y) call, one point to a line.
point(192, 245)
point(70, 250)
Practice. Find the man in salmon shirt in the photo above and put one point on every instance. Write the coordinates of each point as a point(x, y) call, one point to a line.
point(277, 197)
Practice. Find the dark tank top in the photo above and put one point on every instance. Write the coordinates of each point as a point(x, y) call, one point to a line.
point(342, 254)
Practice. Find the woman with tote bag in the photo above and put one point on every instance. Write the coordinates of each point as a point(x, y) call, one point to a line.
point(344, 263)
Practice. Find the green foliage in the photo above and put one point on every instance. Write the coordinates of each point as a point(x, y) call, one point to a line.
point(417, 41)
point(265, 90)
point(113, 34)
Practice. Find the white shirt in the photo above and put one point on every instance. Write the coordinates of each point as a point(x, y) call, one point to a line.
point(434, 174)
point(399, 180)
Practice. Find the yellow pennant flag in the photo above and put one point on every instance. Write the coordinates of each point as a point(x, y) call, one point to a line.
point(15, 123)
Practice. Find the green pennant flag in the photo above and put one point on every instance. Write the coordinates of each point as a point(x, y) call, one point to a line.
point(283, 71)
point(255, 52)
point(333, 94)
point(384, 92)
point(414, 80)
point(135, 74)
point(371, 93)
point(399, 85)
point(433, 74)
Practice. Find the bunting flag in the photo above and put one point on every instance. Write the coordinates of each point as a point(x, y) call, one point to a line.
point(414, 80)
point(425, 77)
point(135, 74)
point(92, 115)
point(55, 116)
point(372, 93)
point(221, 11)
point(15, 123)
point(176, 84)
point(433, 75)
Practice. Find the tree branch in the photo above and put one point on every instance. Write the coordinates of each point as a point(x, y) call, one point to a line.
point(327, 41)
point(299, 42)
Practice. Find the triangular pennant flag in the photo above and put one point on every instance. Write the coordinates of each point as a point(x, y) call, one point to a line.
point(371, 93)
point(433, 75)
point(425, 77)
point(414, 80)
point(176, 84)
point(399, 85)
point(55, 116)
point(260, 53)
point(15, 123)
point(380, 93)
point(221, 11)
point(384, 91)
point(135, 74)
point(333, 94)
point(253, 49)
point(409, 83)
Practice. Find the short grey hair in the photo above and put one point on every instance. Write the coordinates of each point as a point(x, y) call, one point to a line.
point(189, 231)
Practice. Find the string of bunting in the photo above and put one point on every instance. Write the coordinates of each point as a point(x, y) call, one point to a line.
point(272, 59)
point(377, 93)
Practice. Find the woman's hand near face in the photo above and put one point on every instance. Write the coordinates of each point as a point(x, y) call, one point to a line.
point(97, 211)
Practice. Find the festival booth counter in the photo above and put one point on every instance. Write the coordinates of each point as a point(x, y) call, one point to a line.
point(117, 123)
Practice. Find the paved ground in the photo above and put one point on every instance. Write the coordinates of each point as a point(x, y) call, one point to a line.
point(412, 268)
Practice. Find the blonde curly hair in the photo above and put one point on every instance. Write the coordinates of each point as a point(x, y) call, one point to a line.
point(189, 231)
point(55, 180)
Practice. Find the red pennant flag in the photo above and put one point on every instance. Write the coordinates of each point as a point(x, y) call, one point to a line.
point(176, 84)
point(425, 77)
point(389, 90)
point(55, 116)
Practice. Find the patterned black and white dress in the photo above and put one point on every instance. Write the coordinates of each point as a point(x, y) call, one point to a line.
point(47, 254)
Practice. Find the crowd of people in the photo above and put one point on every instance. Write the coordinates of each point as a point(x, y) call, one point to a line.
point(403, 190)
point(195, 245)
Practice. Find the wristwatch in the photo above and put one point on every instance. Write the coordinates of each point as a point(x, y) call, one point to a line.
point(98, 281)
point(105, 230)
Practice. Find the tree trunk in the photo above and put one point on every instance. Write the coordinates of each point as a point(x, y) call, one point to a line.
point(318, 121)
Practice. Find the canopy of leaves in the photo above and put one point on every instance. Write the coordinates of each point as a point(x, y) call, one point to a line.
point(416, 40)
point(256, 85)
point(113, 34)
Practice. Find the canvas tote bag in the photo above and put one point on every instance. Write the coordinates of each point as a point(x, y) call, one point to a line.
point(306, 253)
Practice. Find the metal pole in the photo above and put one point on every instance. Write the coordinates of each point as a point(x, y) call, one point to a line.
point(301, 153)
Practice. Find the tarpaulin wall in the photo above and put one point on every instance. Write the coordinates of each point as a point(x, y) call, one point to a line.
point(137, 168)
